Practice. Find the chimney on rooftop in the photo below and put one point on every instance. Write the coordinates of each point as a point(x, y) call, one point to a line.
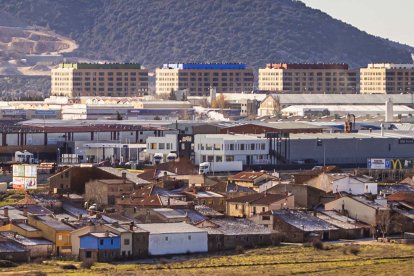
point(131, 225)
point(124, 177)
point(6, 211)
point(25, 210)
point(106, 233)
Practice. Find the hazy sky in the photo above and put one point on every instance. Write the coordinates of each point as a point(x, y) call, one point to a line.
point(392, 19)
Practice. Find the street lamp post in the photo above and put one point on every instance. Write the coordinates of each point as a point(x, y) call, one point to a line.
point(58, 156)
point(321, 143)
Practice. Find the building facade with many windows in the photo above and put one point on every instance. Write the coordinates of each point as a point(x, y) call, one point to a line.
point(386, 78)
point(198, 79)
point(308, 78)
point(251, 150)
point(110, 80)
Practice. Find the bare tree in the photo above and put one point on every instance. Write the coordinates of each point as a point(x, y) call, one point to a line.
point(384, 221)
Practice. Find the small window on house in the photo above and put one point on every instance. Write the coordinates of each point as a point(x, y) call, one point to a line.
point(112, 241)
point(189, 237)
point(126, 242)
point(266, 218)
point(88, 254)
point(166, 238)
point(101, 242)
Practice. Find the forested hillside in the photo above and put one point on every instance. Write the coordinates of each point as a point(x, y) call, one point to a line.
point(252, 31)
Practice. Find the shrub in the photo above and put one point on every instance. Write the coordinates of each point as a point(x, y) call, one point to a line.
point(354, 250)
point(39, 273)
point(69, 266)
point(239, 249)
point(317, 244)
point(5, 263)
point(87, 264)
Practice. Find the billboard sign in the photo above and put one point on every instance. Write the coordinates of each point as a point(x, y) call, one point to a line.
point(390, 163)
point(18, 183)
point(377, 164)
point(24, 176)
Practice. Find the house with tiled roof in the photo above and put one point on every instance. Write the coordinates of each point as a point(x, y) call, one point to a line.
point(402, 205)
point(360, 208)
point(298, 226)
point(252, 180)
point(251, 205)
point(53, 230)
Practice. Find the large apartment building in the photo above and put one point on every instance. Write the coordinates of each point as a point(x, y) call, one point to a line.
point(110, 80)
point(198, 78)
point(386, 78)
point(308, 78)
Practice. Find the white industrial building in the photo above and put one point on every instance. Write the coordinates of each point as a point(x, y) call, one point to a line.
point(357, 110)
point(251, 150)
point(161, 145)
point(175, 238)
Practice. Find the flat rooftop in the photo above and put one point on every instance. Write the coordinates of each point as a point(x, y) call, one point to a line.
point(110, 66)
point(357, 135)
point(233, 137)
point(170, 228)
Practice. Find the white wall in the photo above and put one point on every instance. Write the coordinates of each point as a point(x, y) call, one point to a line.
point(177, 243)
point(353, 186)
point(223, 149)
point(167, 139)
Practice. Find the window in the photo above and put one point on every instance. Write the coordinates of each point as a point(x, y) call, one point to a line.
point(209, 147)
point(153, 145)
point(231, 146)
point(88, 254)
point(101, 242)
point(126, 242)
point(161, 146)
point(166, 238)
point(266, 218)
point(189, 237)
point(219, 159)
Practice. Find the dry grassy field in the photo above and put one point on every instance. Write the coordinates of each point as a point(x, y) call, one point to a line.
point(340, 259)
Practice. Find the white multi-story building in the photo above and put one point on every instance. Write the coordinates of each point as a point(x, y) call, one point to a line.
point(162, 145)
point(251, 150)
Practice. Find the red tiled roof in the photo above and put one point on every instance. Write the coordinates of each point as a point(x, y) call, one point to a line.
point(246, 176)
point(406, 197)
